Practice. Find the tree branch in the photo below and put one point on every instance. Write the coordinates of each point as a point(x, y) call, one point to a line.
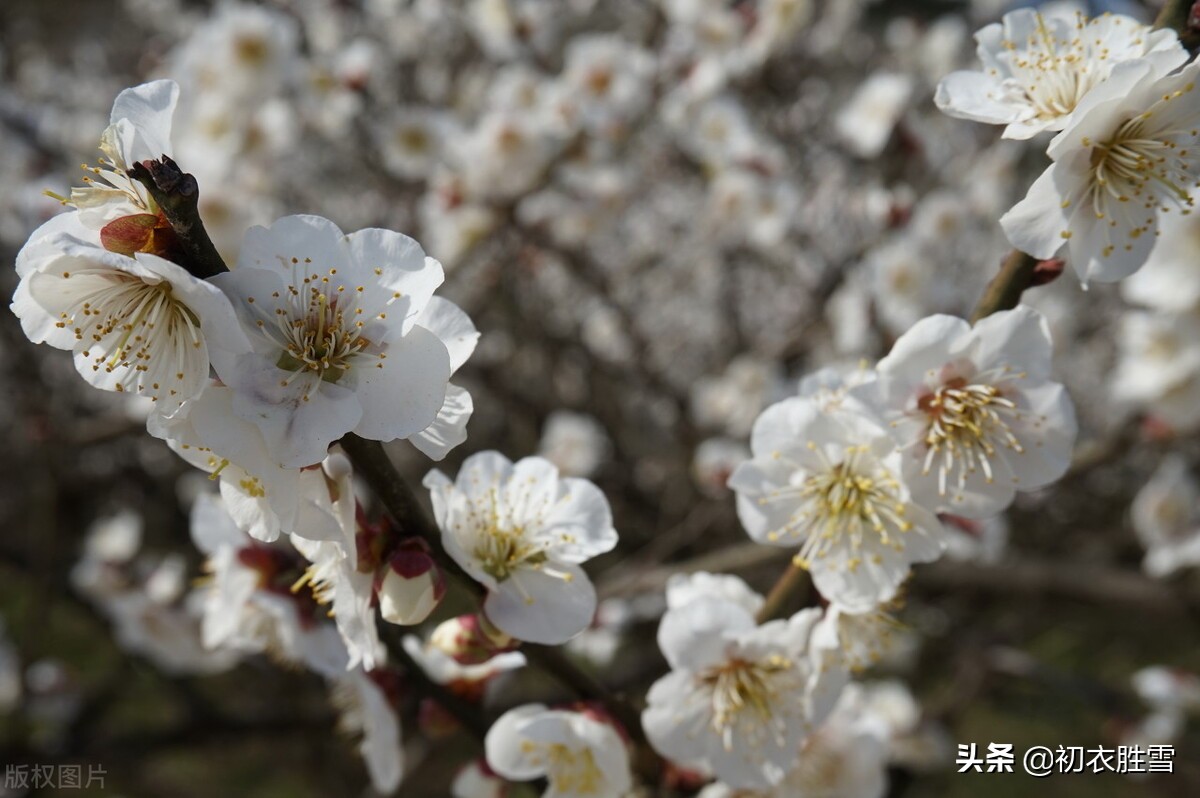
point(178, 196)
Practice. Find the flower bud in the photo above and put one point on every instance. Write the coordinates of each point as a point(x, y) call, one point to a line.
point(470, 639)
point(412, 584)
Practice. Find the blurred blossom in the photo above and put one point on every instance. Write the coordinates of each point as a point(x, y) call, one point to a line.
point(576, 443)
point(1166, 518)
point(866, 122)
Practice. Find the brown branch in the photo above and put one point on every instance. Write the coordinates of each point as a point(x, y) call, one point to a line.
point(1005, 289)
point(177, 195)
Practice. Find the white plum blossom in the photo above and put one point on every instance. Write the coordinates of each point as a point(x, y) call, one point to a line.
point(606, 81)
point(1127, 158)
point(1158, 368)
point(866, 122)
point(346, 336)
point(412, 139)
point(830, 483)
point(576, 443)
point(740, 698)
point(846, 757)
point(1039, 65)
point(522, 531)
point(976, 411)
point(136, 324)
point(578, 755)
point(1166, 518)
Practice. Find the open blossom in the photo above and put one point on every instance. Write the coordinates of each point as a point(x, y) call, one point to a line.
point(577, 754)
point(522, 531)
point(136, 324)
point(1038, 66)
point(740, 697)
point(345, 336)
point(846, 757)
point(975, 410)
point(830, 483)
point(1127, 157)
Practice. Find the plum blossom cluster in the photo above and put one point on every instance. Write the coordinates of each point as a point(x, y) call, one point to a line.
point(253, 376)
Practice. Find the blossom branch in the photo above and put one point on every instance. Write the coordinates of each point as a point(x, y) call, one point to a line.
point(177, 195)
point(371, 461)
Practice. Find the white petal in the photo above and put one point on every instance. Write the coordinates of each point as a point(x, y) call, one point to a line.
point(402, 394)
point(449, 429)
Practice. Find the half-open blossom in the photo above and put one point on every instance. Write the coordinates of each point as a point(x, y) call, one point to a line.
point(522, 531)
point(740, 697)
point(139, 130)
point(830, 484)
point(1127, 157)
point(1038, 66)
point(136, 324)
point(976, 411)
point(346, 336)
point(578, 755)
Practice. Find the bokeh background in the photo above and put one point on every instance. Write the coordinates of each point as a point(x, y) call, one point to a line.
point(768, 190)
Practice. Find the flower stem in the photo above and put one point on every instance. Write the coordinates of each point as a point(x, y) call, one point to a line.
point(788, 585)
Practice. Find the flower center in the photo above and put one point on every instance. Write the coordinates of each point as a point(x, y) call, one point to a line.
point(1054, 73)
point(317, 328)
point(743, 692)
point(130, 326)
point(966, 424)
point(501, 552)
point(571, 772)
point(843, 502)
point(1144, 164)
